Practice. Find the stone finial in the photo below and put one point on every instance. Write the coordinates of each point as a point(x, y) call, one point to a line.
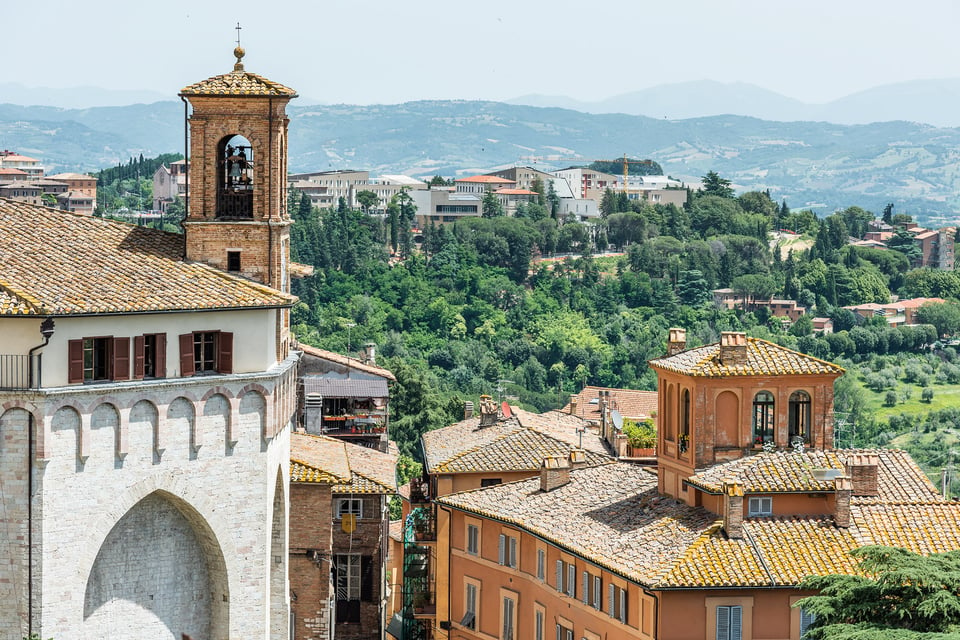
point(239, 53)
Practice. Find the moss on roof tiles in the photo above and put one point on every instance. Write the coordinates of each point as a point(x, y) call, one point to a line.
point(55, 262)
point(763, 358)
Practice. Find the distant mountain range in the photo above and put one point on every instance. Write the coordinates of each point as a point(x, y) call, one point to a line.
point(811, 164)
point(935, 102)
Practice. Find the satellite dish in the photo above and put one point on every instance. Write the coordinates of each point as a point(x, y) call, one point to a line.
point(617, 419)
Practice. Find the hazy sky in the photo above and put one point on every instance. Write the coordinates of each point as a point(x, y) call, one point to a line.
point(391, 51)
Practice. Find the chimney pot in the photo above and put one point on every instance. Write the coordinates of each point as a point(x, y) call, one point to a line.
point(554, 473)
point(733, 509)
point(844, 488)
point(862, 468)
point(677, 341)
point(733, 348)
point(371, 352)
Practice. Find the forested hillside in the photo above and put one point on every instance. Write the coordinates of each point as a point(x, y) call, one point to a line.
point(476, 310)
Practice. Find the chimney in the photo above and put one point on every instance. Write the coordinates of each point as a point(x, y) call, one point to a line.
point(554, 472)
point(862, 469)
point(841, 515)
point(677, 341)
point(371, 353)
point(733, 509)
point(313, 413)
point(573, 404)
point(488, 411)
point(468, 409)
point(578, 458)
point(733, 348)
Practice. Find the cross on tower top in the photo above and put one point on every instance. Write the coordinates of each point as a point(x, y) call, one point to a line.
point(238, 27)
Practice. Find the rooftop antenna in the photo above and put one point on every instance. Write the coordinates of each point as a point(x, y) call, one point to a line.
point(500, 389)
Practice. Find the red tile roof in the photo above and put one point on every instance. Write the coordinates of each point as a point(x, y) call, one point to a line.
point(487, 180)
point(631, 403)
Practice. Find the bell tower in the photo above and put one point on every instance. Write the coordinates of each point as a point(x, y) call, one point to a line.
point(237, 210)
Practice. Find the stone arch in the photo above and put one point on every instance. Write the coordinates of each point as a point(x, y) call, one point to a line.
point(253, 416)
point(178, 430)
point(64, 437)
point(142, 428)
point(235, 176)
point(14, 456)
point(162, 571)
point(104, 436)
point(727, 417)
point(279, 598)
point(215, 422)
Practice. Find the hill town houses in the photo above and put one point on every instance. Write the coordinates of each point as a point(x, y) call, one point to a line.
point(153, 482)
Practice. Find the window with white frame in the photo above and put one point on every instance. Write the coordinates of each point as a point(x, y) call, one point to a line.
point(571, 580)
point(348, 576)
point(473, 539)
point(760, 506)
point(564, 633)
point(507, 551)
point(349, 506)
point(729, 622)
point(538, 616)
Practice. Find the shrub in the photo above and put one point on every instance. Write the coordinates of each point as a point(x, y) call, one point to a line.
point(642, 435)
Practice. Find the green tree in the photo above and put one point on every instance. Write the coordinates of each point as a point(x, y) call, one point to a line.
point(897, 594)
point(714, 185)
point(367, 200)
point(491, 207)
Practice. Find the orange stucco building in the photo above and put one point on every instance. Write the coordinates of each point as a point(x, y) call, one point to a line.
point(749, 497)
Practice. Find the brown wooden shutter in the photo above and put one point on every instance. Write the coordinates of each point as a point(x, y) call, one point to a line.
point(121, 358)
point(75, 361)
point(160, 366)
point(225, 352)
point(138, 357)
point(186, 354)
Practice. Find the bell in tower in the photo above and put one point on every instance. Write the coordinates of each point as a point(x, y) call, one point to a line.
point(237, 207)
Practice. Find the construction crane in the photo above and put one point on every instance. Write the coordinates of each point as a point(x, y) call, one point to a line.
point(626, 167)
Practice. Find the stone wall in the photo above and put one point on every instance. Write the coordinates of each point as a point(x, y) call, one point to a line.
point(117, 463)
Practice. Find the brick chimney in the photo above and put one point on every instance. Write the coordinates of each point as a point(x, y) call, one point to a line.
point(676, 341)
point(862, 469)
point(733, 509)
point(573, 404)
point(733, 348)
point(488, 411)
point(841, 515)
point(578, 458)
point(468, 409)
point(554, 472)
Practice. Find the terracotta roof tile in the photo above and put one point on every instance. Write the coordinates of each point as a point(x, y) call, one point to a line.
point(519, 442)
point(631, 403)
point(920, 527)
point(371, 471)
point(487, 180)
point(238, 83)
point(346, 361)
point(56, 262)
point(318, 459)
point(763, 358)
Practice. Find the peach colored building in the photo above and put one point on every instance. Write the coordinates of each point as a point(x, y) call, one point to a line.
point(714, 543)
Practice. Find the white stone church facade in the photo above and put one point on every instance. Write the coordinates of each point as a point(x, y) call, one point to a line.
point(147, 388)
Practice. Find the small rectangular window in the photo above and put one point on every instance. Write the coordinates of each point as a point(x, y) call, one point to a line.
point(571, 580)
point(509, 609)
point(352, 506)
point(760, 506)
point(96, 359)
point(729, 620)
point(469, 619)
point(541, 564)
point(490, 482)
point(473, 539)
point(233, 261)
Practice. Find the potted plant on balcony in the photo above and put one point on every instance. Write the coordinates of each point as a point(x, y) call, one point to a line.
point(420, 600)
point(642, 437)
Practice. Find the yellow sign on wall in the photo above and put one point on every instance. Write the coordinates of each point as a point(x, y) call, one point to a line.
point(348, 523)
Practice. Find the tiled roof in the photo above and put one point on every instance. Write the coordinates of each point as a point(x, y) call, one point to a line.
point(898, 476)
point(348, 467)
point(330, 387)
point(371, 471)
point(9, 171)
point(763, 358)
point(516, 192)
point(517, 443)
point(772, 552)
point(610, 514)
point(396, 530)
point(631, 403)
point(318, 459)
point(238, 83)
point(72, 176)
point(346, 361)
point(56, 262)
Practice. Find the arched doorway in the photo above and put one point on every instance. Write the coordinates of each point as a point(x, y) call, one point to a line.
point(161, 570)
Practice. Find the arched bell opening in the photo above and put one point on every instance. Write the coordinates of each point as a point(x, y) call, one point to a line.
point(235, 174)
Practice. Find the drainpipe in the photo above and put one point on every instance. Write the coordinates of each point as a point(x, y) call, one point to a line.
point(270, 196)
point(186, 167)
point(46, 330)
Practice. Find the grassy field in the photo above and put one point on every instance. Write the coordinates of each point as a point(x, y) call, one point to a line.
point(944, 396)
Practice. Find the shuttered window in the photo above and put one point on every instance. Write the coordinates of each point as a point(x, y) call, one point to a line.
point(206, 352)
point(560, 576)
point(729, 620)
point(150, 356)
point(541, 564)
point(806, 619)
